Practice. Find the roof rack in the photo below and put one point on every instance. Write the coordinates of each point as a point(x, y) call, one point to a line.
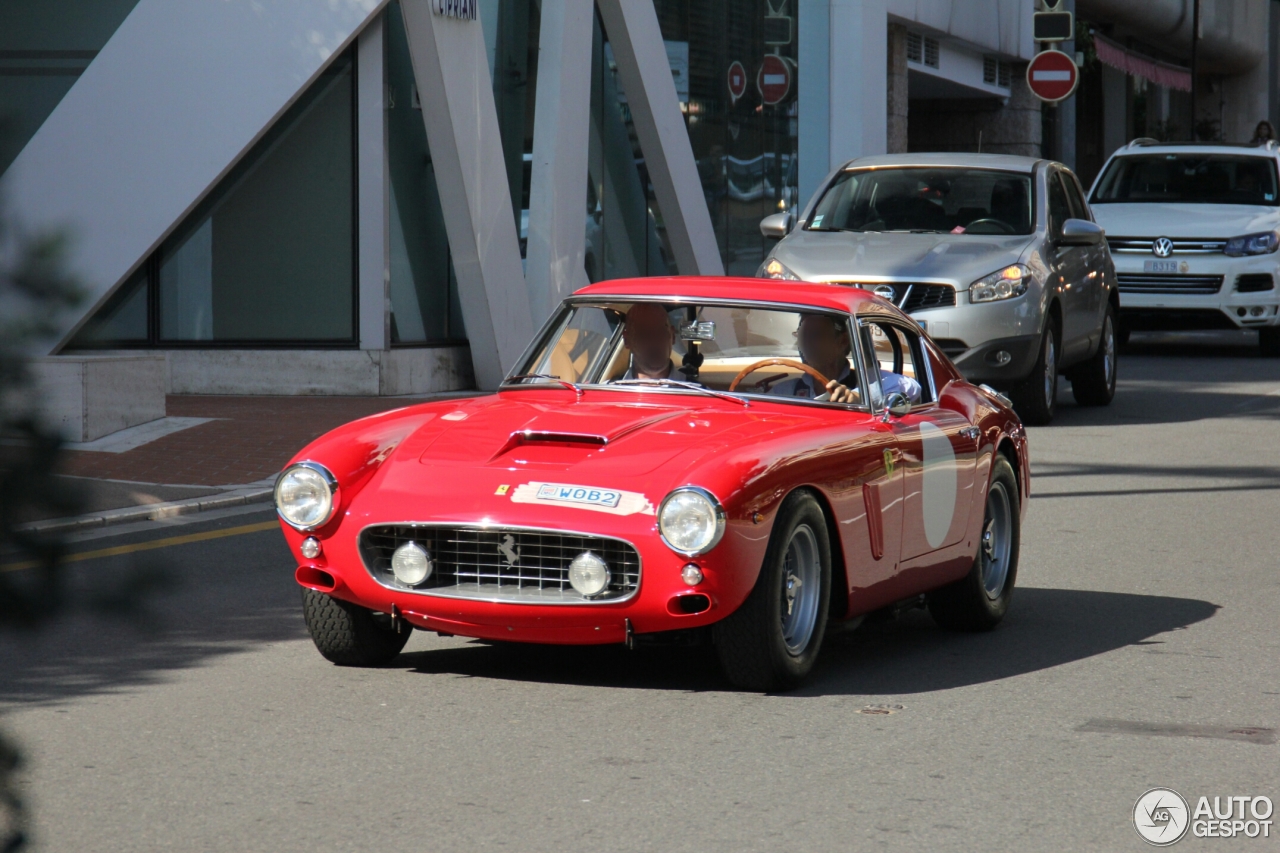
point(1145, 141)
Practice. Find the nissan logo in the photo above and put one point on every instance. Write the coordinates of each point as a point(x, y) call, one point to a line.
point(884, 291)
point(1162, 247)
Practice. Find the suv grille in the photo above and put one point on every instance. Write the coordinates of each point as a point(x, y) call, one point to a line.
point(473, 562)
point(1185, 284)
point(1190, 246)
point(1255, 282)
point(912, 295)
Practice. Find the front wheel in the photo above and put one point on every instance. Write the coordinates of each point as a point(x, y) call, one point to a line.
point(1036, 398)
point(1094, 382)
point(772, 641)
point(979, 600)
point(350, 635)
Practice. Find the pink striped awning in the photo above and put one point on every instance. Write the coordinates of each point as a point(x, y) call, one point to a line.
point(1123, 59)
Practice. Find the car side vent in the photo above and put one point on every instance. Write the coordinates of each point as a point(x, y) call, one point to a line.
point(1255, 282)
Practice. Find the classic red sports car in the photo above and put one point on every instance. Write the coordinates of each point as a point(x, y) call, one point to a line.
point(728, 458)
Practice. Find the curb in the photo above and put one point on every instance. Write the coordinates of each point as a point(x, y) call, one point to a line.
point(153, 512)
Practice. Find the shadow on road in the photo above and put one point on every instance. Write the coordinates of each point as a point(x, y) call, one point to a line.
point(1045, 628)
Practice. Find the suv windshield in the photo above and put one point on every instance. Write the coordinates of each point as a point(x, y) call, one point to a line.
point(955, 200)
point(1188, 178)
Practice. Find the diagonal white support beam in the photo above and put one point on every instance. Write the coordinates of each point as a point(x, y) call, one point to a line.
point(561, 130)
point(451, 68)
point(632, 27)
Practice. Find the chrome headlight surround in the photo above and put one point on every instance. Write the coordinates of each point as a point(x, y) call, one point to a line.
point(1004, 283)
point(776, 270)
point(677, 505)
point(1262, 243)
point(317, 475)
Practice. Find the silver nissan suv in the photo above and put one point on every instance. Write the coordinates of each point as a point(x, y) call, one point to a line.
point(997, 257)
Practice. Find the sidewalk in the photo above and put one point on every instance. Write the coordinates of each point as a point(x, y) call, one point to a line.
point(207, 453)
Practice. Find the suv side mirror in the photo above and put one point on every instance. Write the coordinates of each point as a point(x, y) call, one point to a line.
point(776, 225)
point(1080, 232)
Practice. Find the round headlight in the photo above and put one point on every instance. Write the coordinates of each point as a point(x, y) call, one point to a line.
point(691, 521)
point(589, 574)
point(411, 564)
point(305, 495)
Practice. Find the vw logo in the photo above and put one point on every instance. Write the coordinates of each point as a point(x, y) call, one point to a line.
point(1162, 247)
point(884, 291)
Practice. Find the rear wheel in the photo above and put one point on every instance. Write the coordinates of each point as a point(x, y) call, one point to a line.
point(1036, 397)
point(979, 600)
point(1094, 382)
point(350, 635)
point(1269, 342)
point(772, 641)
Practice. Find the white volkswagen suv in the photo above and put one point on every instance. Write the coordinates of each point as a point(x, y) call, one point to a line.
point(1193, 230)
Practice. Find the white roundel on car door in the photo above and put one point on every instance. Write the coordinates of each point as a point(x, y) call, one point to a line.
point(939, 486)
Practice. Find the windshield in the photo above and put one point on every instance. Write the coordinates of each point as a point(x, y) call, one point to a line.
point(954, 200)
point(1189, 179)
point(654, 345)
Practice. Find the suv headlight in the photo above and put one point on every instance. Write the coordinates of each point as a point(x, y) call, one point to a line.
point(306, 495)
point(690, 521)
point(1253, 244)
point(1001, 284)
point(776, 269)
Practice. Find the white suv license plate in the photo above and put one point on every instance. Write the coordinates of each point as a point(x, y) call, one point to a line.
point(1159, 266)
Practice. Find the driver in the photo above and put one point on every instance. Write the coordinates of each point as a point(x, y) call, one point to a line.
point(824, 346)
point(649, 335)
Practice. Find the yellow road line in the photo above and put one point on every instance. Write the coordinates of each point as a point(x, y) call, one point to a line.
point(150, 546)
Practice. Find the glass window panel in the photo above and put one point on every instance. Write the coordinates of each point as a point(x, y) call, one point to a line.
point(122, 321)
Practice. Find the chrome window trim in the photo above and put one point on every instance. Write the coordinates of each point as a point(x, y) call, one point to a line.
point(498, 528)
point(927, 375)
point(330, 480)
point(721, 520)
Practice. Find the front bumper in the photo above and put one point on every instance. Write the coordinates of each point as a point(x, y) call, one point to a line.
point(1233, 306)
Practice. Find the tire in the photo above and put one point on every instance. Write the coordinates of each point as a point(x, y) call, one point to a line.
point(1036, 398)
point(772, 641)
point(1269, 342)
point(1094, 382)
point(979, 600)
point(350, 635)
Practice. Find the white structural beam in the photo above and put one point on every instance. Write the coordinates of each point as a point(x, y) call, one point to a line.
point(162, 113)
point(561, 130)
point(858, 75)
point(451, 68)
point(373, 272)
point(632, 27)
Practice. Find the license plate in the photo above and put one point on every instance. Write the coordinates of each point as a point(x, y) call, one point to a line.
point(1159, 266)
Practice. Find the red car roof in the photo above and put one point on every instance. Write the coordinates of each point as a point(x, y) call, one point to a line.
point(830, 296)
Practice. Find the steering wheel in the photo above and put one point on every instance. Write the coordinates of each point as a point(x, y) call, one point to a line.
point(1005, 227)
point(785, 362)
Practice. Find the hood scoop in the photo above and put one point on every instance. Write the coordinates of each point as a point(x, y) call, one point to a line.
point(533, 437)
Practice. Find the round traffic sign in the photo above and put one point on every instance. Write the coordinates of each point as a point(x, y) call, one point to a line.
point(773, 79)
point(737, 80)
point(1052, 76)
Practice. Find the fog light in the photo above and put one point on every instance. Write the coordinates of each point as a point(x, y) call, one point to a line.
point(310, 547)
point(1240, 312)
point(588, 574)
point(1256, 311)
point(999, 358)
point(411, 564)
point(691, 575)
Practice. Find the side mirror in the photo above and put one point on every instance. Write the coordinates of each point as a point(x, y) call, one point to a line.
point(897, 405)
point(1080, 232)
point(776, 225)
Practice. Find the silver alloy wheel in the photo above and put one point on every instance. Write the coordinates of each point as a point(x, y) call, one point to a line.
point(997, 541)
point(801, 586)
point(1109, 351)
point(1050, 371)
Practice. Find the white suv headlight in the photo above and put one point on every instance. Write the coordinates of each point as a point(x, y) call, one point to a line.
point(1253, 244)
point(776, 269)
point(1001, 284)
point(306, 495)
point(690, 521)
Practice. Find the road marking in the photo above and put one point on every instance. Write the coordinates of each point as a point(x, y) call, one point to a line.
point(167, 542)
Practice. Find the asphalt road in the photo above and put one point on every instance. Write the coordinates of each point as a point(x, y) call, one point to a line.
point(1147, 607)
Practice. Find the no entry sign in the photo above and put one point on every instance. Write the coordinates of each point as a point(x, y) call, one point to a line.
point(1052, 76)
point(773, 79)
point(737, 80)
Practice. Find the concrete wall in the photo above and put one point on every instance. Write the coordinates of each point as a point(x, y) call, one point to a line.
point(87, 397)
point(896, 90)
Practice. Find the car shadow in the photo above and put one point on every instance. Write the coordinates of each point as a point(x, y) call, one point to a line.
point(1045, 628)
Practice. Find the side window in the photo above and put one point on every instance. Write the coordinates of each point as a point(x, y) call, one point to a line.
point(896, 360)
point(1075, 195)
point(1059, 207)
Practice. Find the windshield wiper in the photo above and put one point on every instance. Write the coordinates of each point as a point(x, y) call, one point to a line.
point(565, 382)
point(676, 383)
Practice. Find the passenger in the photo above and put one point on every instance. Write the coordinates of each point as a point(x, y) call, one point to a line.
point(824, 345)
point(649, 335)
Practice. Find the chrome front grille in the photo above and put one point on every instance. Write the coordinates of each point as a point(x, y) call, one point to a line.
point(912, 295)
point(501, 563)
point(1181, 284)
point(1190, 246)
